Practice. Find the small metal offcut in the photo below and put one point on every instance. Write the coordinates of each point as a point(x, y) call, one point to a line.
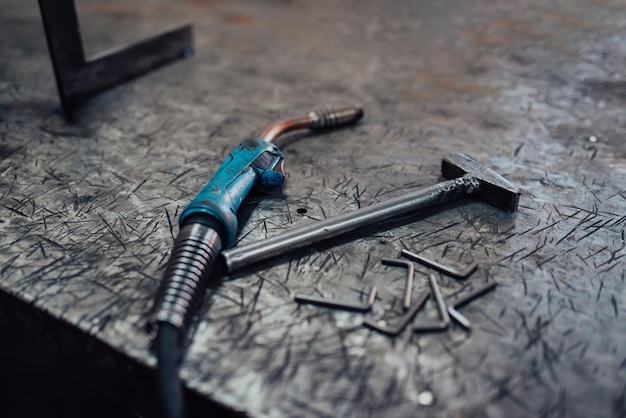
point(450, 271)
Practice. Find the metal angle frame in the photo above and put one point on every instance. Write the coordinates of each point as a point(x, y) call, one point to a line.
point(79, 78)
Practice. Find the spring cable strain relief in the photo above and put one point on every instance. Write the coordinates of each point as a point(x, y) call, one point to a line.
point(185, 277)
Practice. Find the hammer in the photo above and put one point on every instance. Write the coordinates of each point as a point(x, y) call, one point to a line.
point(468, 178)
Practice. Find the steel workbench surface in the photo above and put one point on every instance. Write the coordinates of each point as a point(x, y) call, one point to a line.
point(536, 90)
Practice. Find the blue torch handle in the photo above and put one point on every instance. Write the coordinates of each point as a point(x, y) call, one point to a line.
point(251, 162)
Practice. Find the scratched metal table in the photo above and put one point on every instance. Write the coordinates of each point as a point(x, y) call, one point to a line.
point(536, 90)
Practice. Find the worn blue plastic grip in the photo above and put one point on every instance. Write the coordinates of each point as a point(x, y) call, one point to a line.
point(253, 161)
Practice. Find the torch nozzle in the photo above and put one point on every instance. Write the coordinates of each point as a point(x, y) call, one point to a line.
point(319, 119)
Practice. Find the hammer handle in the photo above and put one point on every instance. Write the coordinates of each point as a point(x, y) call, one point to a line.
point(240, 257)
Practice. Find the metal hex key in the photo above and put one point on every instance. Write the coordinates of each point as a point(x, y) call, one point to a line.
point(331, 303)
point(410, 274)
point(465, 299)
point(459, 317)
point(404, 320)
point(441, 306)
point(450, 271)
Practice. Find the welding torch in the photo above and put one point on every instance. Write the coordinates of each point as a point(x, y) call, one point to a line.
point(208, 224)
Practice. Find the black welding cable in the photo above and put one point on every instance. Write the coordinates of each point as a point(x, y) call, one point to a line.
point(170, 385)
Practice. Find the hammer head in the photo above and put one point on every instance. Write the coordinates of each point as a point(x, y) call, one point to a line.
point(494, 188)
